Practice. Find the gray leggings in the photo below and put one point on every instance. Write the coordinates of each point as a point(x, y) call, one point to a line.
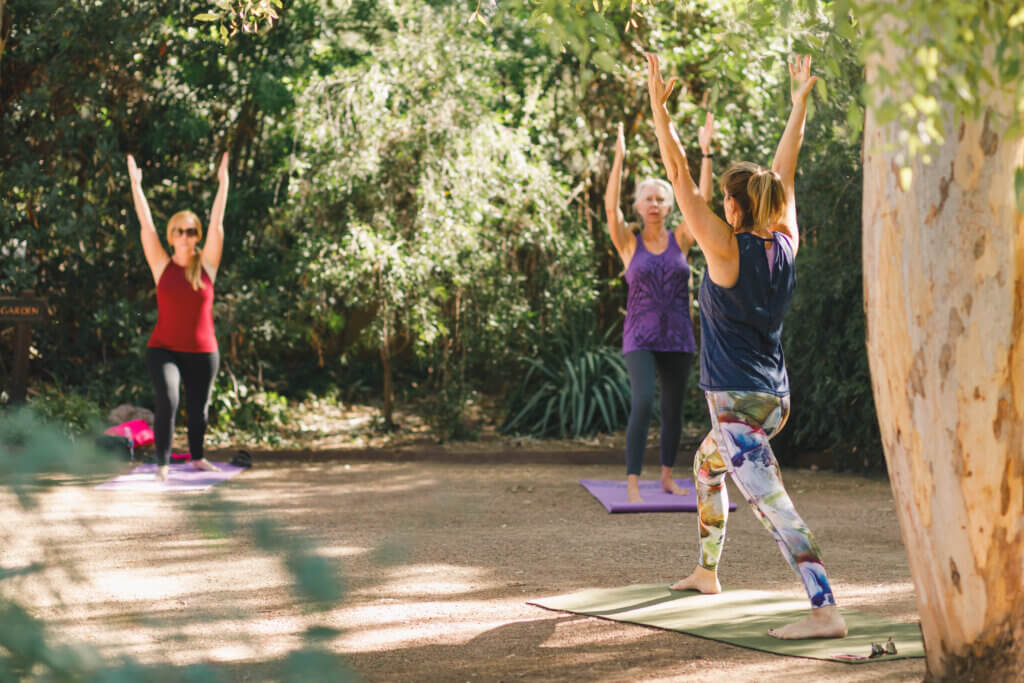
point(167, 369)
point(673, 369)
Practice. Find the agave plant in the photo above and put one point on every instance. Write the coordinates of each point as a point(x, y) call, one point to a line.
point(580, 391)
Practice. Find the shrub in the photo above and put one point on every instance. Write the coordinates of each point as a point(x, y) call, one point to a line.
point(577, 388)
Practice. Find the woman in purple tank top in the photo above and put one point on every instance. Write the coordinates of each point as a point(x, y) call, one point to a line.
point(657, 337)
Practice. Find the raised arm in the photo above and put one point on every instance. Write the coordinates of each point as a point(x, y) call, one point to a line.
point(714, 235)
point(704, 135)
point(792, 139)
point(683, 235)
point(616, 221)
point(214, 245)
point(156, 256)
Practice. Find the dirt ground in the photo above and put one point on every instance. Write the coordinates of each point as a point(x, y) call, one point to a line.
point(440, 551)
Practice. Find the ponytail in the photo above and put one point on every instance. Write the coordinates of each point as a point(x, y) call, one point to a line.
point(758, 193)
point(767, 197)
point(194, 269)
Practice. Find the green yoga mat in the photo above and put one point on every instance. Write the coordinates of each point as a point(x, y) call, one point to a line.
point(739, 617)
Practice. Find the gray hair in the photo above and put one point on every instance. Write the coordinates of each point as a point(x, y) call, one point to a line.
point(657, 182)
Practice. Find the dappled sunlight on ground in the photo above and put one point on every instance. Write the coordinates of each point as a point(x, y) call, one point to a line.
point(427, 580)
point(438, 560)
point(395, 624)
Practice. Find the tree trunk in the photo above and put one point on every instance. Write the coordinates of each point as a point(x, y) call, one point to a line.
point(5, 32)
point(944, 298)
point(387, 410)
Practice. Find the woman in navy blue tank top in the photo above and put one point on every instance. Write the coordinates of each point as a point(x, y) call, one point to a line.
point(657, 338)
point(746, 290)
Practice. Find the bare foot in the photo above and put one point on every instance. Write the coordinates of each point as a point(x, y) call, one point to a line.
point(824, 622)
point(703, 580)
point(161, 473)
point(633, 489)
point(669, 485)
point(204, 464)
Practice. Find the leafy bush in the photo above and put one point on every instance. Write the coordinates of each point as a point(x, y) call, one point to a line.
point(577, 388)
point(833, 404)
point(73, 412)
point(240, 408)
point(428, 226)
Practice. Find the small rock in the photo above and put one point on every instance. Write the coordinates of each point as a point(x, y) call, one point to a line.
point(126, 412)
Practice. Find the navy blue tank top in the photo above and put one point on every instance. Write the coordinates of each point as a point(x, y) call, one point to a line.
point(741, 326)
point(658, 302)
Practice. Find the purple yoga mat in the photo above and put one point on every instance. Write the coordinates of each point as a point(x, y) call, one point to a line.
point(181, 477)
point(612, 494)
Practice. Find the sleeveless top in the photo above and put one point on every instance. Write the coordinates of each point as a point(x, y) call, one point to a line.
point(658, 304)
point(741, 326)
point(184, 320)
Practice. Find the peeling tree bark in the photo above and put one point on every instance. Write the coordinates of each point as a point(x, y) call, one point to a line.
point(944, 299)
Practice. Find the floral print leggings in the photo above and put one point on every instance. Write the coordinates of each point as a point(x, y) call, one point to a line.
point(742, 422)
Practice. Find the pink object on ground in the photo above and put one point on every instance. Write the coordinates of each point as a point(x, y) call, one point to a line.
point(181, 457)
point(138, 431)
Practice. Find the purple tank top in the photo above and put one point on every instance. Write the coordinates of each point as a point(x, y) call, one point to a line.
point(658, 305)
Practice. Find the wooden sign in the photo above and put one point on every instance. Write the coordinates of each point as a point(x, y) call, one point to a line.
point(22, 312)
point(22, 309)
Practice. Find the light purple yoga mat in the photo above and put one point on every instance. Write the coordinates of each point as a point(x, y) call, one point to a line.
point(182, 477)
point(612, 494)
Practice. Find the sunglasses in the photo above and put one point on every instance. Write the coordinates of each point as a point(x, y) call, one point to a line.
point(188, 232)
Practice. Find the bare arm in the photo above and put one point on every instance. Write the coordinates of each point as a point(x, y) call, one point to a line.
point(616, 221)
point(683, 235)
point(713, 235)
point(156, 257)
point(704, 134)
point(214, 246)
point(789, 145)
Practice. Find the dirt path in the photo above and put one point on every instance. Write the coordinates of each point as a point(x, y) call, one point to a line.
point(440, 556)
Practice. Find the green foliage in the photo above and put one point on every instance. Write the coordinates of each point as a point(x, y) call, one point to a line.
point(833, 405)
point(34, 458)
point(415, 195)
point(249, 16)
point(961, 58)
point(733, 58)
point(86, 83)
point(240, 408)
point(74, 412)
point(418, 211)
point(577, 385)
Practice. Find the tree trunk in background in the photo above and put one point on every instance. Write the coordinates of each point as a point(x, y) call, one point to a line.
point(944, 298)
point(5, 31)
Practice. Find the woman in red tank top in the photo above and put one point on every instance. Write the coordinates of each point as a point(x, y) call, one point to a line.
point(183, 346)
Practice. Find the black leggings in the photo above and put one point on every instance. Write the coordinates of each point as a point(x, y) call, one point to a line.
point(167, 369)
point(673, 369)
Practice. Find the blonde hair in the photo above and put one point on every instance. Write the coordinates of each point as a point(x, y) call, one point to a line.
point(758, 193)
point(194, 269)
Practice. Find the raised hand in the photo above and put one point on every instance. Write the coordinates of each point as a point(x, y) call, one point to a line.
point(800, 78)
point(620, 142)
point(222, 170)
point(705, 132)
point(134, 172)
point(657, 88)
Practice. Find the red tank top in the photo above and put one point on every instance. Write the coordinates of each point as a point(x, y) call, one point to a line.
point(184, 320)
